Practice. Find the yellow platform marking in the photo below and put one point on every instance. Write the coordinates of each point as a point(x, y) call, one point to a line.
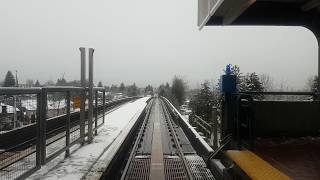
point(255, 167)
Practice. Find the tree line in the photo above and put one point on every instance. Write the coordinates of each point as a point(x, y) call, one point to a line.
point(129, 90)
point(208, 95)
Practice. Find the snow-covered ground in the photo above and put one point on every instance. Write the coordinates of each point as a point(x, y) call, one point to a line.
point(83, 159)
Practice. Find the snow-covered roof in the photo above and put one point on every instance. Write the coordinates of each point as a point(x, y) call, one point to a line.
point(30, 104)
point(56, 104)
point(9, 108)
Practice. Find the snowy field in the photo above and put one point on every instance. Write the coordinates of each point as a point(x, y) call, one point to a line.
point(87, 159)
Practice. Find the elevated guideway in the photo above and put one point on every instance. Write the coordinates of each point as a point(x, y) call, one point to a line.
point(161, 150)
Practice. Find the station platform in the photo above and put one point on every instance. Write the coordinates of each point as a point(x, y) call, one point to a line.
point(85, 161)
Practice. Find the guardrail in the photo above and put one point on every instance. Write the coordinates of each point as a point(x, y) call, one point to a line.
point(38, 124)
point(314, 95)
point(209, 130)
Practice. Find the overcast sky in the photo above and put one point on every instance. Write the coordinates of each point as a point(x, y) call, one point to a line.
point(144, 41)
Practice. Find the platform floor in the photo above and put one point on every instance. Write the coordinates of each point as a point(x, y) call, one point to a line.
point(299, 158)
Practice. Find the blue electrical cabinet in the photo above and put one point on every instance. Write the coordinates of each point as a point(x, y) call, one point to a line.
point(228, 83)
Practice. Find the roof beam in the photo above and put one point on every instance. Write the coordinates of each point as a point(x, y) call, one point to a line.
point(310, 5)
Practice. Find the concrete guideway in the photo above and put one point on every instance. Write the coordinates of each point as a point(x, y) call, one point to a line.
point(157, 165)
point(85, 160)
point(161, 150)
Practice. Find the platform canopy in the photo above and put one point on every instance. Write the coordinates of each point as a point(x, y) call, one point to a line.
point(260, 12)
point(304, 13)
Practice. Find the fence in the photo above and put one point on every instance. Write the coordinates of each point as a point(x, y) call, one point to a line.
point(38, 124)
point(18, 107)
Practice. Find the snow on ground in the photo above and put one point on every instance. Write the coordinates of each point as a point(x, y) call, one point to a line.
point(82, 159)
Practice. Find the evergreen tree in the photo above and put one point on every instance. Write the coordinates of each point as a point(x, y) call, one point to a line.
point(100, 84)
point(122, 88)
point(235, 70)
point(148, 90)
point(37, 84)
point(315, 85)
point(178, 90)
point(114, 88)
point(9, 80)
point(61, 82)
point(162, 90)
point(202, 103)
point(252, 83)
point(133, 90)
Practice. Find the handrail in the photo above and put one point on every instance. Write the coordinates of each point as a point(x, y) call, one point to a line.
point(16, 90)
point(202, 121)
point(279, 93)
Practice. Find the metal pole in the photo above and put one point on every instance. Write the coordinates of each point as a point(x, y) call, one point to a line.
point(90, 118)
point(83, 95)
point(38, 140)
point(215, 127)
point(43, 119)
point(96, 113)
point(15, 119)
point(67, 154)
point(318, 38)
point(104, 105)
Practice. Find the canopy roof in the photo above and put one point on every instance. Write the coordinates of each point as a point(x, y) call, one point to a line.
point(260, 12)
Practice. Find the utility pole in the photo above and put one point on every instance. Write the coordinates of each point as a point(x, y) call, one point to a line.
point(17, 84)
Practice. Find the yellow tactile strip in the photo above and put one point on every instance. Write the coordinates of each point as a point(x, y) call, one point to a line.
point(255, 167)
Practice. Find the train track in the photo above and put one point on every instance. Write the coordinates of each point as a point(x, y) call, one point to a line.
point(161, 150)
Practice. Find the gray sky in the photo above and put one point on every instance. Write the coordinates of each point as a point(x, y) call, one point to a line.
point(144, 41)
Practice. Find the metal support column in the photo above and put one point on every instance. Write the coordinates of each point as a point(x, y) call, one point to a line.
point(67, 154)
point(104, 105)
point(83, 95)
point(90, 116)
point(43, 123)
point(227, 122)
point(96, 114)
point(215, 127)
point(38, 123)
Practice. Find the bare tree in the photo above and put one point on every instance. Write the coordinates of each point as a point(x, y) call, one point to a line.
point(29, 83)
point(267, 82)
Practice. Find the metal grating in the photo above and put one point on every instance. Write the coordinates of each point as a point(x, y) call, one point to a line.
point(139, 169)
point(198, 168)
point(174, 169)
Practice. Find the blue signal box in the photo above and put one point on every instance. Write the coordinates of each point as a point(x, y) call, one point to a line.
point(228, 83)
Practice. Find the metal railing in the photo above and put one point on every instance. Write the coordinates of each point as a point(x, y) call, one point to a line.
point(284, 95)
point(209, 130)
point(19, 106)
point(38, 124)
